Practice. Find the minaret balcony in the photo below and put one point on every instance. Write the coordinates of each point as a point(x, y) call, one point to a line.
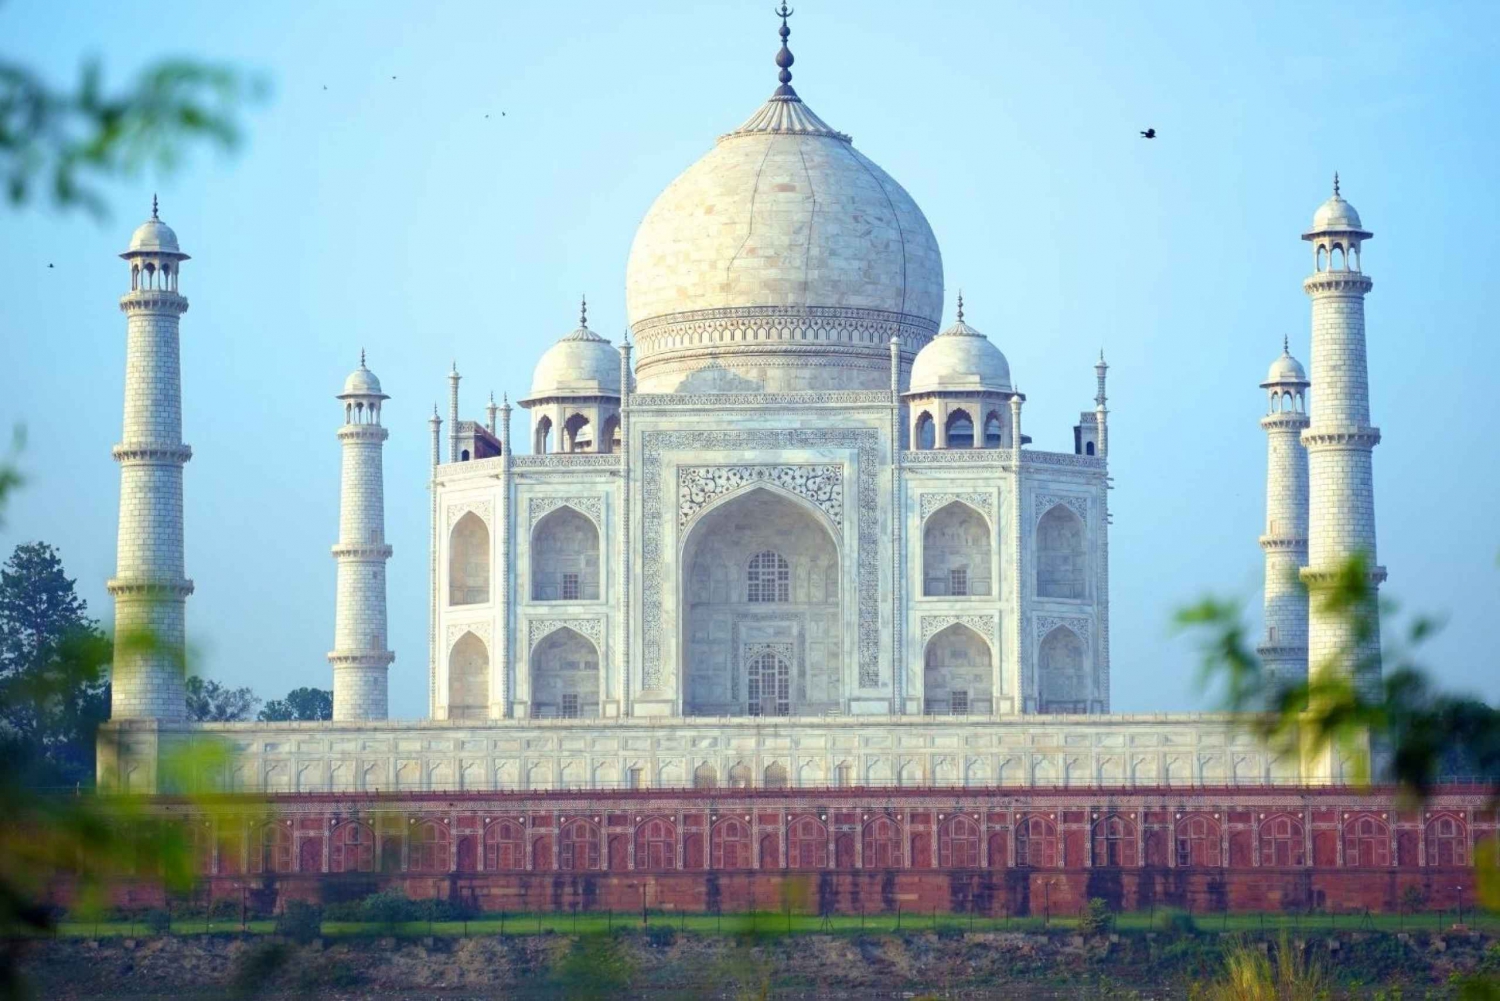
point(1340, 438)
point(149, 587)
point(153, 301)
point(362, 551)
point(1345, 282)
point(140, 451)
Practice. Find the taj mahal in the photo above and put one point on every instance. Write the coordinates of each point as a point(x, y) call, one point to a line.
point(787, 533)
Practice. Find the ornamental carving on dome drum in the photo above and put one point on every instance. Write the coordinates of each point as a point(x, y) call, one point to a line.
point(820, 483)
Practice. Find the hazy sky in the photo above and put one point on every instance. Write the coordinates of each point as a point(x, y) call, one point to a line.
point(391, 214)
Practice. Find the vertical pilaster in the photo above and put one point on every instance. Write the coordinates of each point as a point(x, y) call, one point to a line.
point(500, 684)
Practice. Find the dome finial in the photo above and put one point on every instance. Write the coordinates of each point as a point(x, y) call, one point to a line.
point(960, 305)
point(153, 207)
point(1286, 345)
point(784, 58)
point(361, 357)
point(583, 310)
point(1336, 184)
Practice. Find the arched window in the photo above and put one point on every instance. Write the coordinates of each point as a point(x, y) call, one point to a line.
point(352, 848)
point(578, 849)
point(882, 848)
point(956, 552)
point(740, 777)
point(565, 676)
point(768, 578)
point(926, 436)
point(705, 776)
point(1060, 554)
point(768, 688)
point(1367, 842)
point(1114, 842)
point(135, 277)
point(776, 776)
point(1320, 252)
point(565, 557)
point(578, 434)
point(1447, 843)
point(504, 846)
point(468, 678)
point(656, 845)
point(609, 439)
point(541, 441)
point(273, 848)
point(958, 843)
point(1036, 843)
point(958, 673)
point(731, 844)
point(1198, 842)
point(993, 431)
point(1281, 841)
point(807, 844)
point(1088, 448)
point(960, 429)
point(429, 848)
point(469, 561)
point(1336, 259)
point(1063, 672)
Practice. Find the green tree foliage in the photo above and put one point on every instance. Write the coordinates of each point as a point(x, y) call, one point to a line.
point(299, 704)
point(210, 702)
point(61, 142)
point(53, 687)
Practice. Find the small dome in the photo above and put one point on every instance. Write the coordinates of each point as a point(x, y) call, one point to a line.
point(362, 382)
point(154, 235)
point(960, 358)
point(1286, 369)
point(1336, 214)
point(580, 364)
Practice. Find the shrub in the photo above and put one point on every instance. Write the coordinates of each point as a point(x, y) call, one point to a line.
point(661, 936)
point(300, 921)
point(157, 921)
point(389, 907)
point(1097, 918)
point(224, 909)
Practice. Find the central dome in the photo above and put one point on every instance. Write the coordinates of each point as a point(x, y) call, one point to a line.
point(784, 259)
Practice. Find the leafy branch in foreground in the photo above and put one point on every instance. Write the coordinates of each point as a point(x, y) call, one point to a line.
point(63, 141)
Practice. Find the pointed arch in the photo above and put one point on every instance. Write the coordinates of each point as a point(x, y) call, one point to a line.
point(960, 425)
point(1061, 554)
point(776, 776)
point(958, 843)
point(994, 430)
point(565, 676)
point(565, 557)
point(469, 561)
point(656, 844)
point(541, 436)
point(882, 844)
point(956, 552)
point(429, 848)
point(732, 846)
point(958, 672)
point(468, 678)
point(273, 848)
point(609, 435)
point(504, 846)
point(1063, 672)
point(924, 434)
point(1114, 842)
point(705, 776)
point(578, 434)
point(579, 846)
point(807, 844)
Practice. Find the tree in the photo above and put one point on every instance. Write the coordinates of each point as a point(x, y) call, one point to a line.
point(53, 690)
point(60, 141)
point(211, 702)
point(299, 704)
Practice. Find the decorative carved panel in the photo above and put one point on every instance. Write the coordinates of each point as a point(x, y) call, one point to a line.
point(1078, 505)
point(483, 508)
point(539, 507)
point(457, 629)
point(984, 625)
point(983, 501)
point(538, 629)
point(820, 483)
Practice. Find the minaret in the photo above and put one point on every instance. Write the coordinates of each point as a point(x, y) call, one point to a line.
point(360, 659)
point(1283, 648)
point(1341, 516)
point(150, 587)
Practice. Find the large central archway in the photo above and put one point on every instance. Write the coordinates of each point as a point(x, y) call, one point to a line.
point(760, 593)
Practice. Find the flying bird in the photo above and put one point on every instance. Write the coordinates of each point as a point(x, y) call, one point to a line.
point(1149, 134)
point(49, 265)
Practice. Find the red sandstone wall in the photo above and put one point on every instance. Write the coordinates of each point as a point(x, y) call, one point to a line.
point(986, 851)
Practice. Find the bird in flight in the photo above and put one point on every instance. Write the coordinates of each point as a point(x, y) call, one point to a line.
point(49, 265)
point(1149, 134)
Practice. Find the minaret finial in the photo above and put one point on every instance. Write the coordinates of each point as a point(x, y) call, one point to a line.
point(1336, 184)
point(1286, 344)
point(784, 57)
point(583, 310)
point(153, 207)
point(960, 305)
point(361, 357)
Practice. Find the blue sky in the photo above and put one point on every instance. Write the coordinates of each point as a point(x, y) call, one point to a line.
point(392, 215)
